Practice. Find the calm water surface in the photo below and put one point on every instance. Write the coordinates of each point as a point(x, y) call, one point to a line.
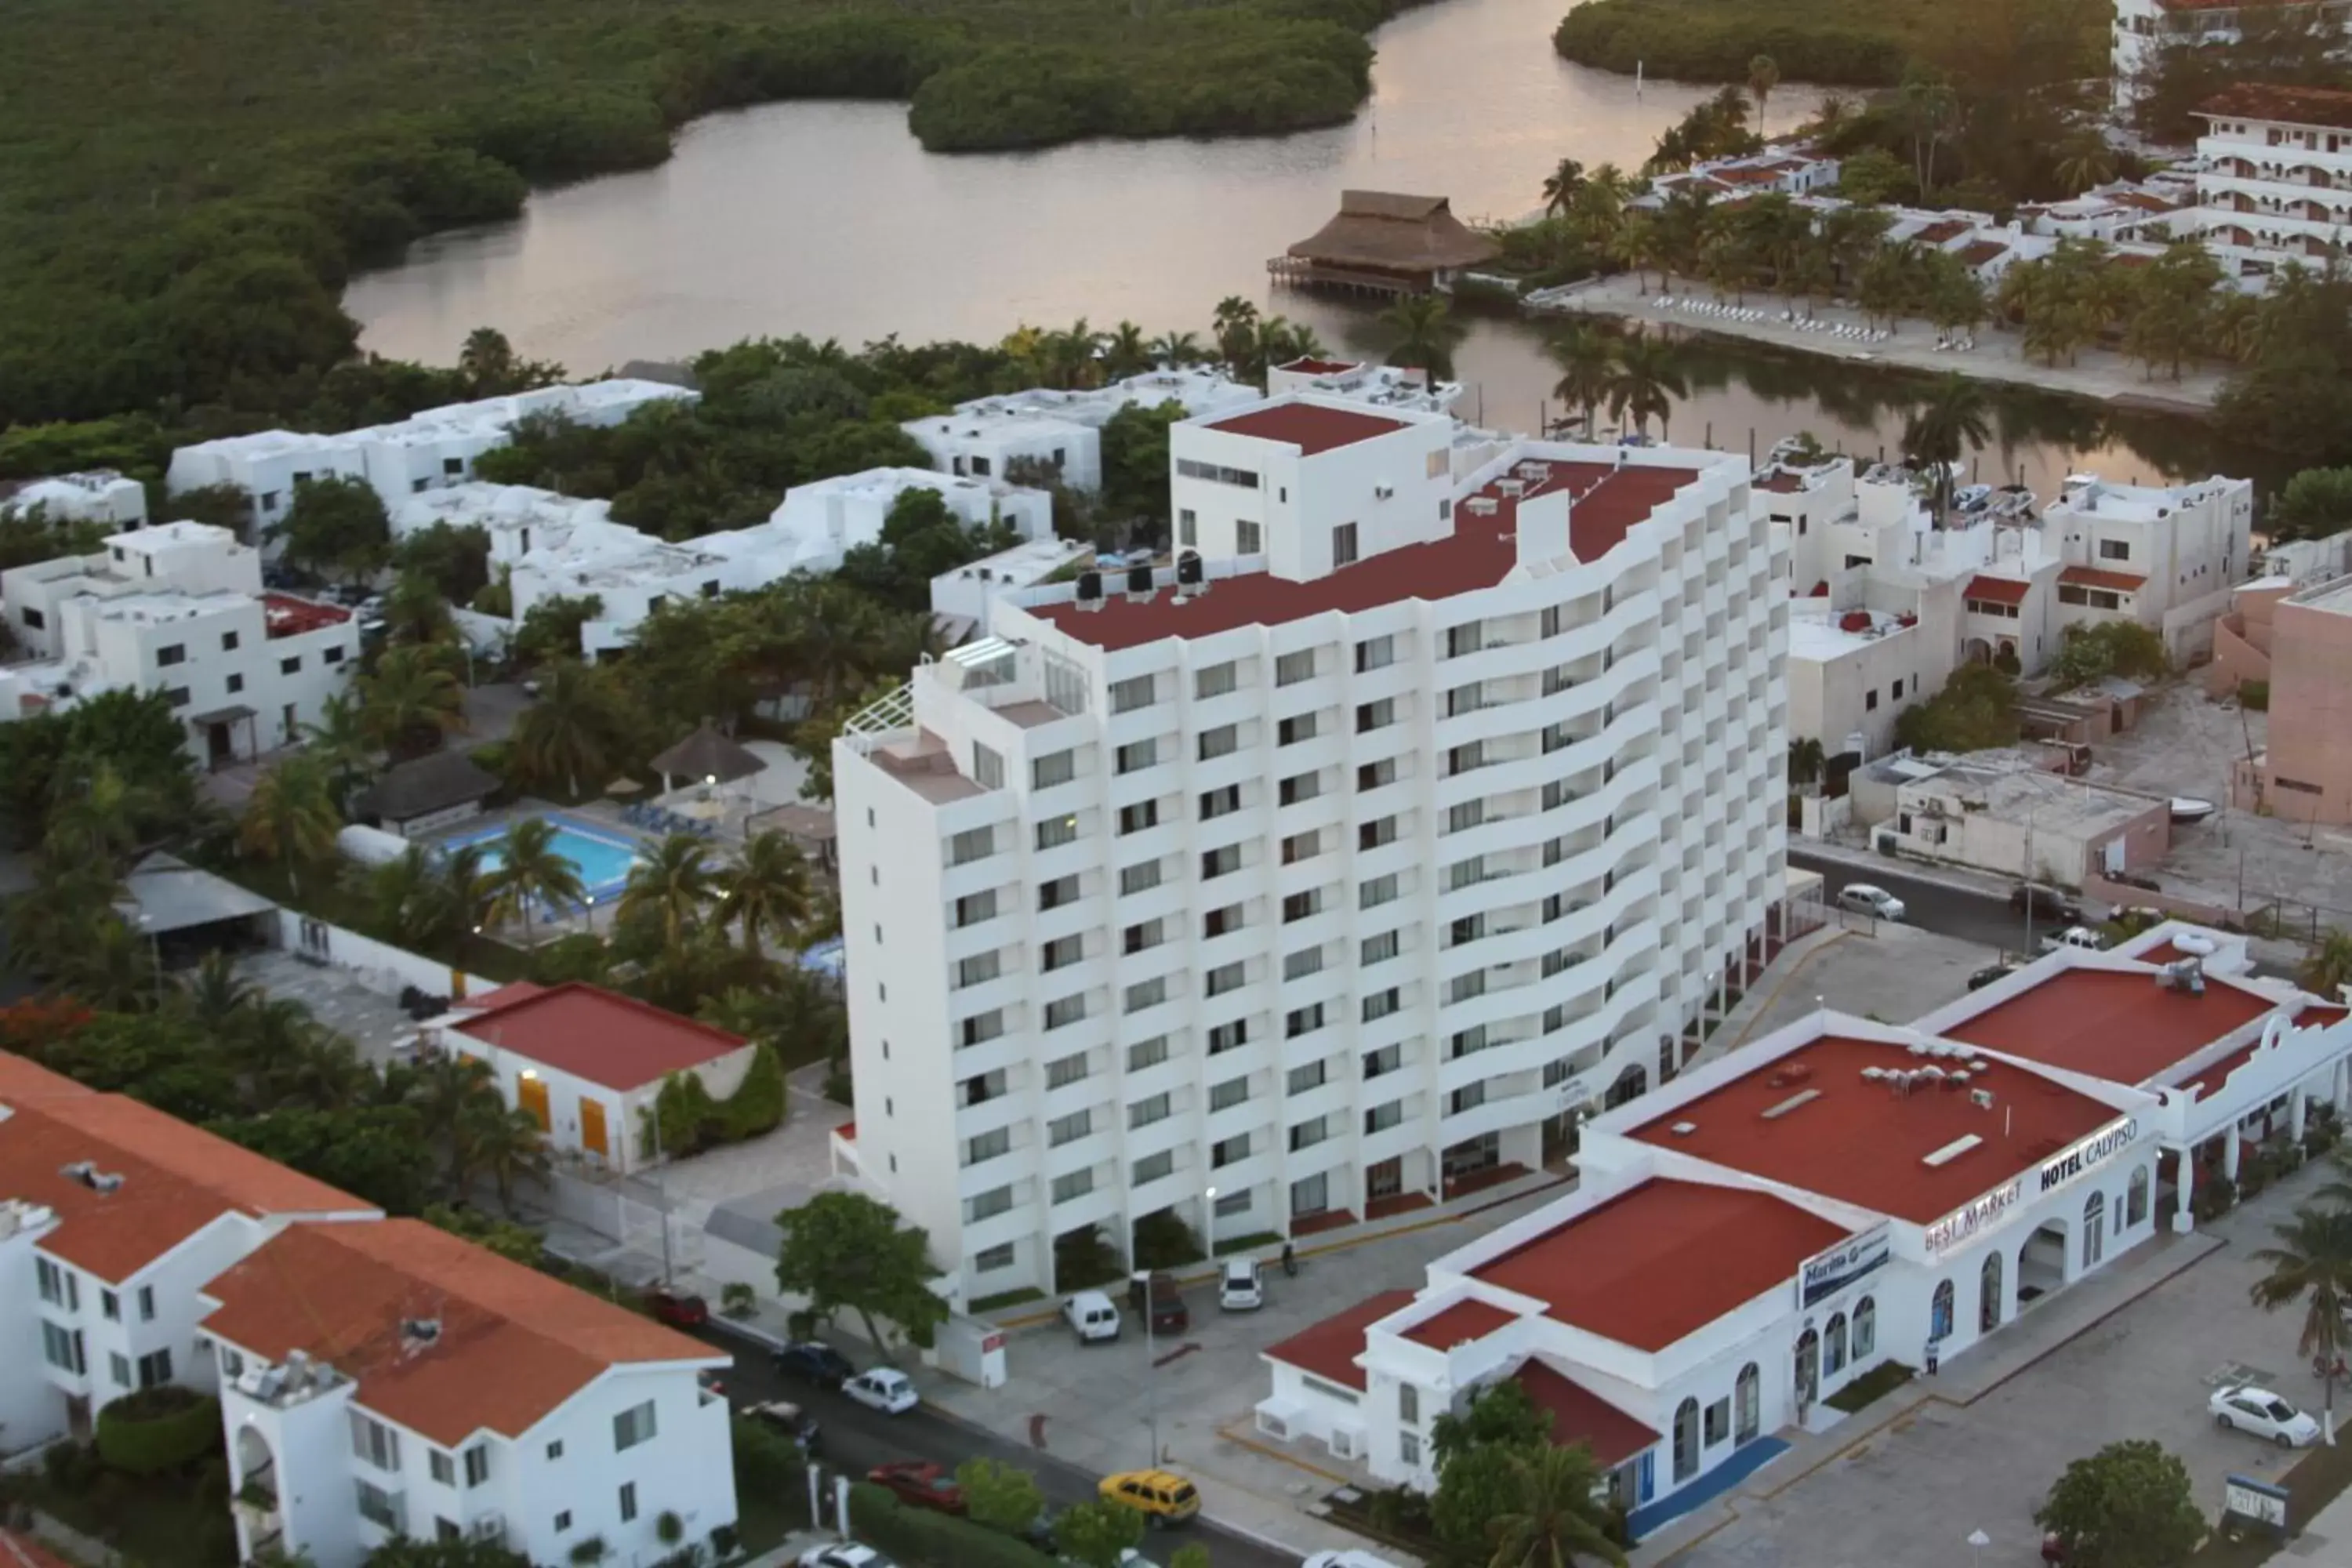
point(828, 218)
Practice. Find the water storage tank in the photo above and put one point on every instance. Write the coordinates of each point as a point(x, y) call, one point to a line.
point(369, 846)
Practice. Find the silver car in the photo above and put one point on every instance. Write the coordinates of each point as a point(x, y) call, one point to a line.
point(1863, 898)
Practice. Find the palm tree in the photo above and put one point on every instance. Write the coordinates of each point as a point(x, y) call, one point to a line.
point(408, 898)
point(767, 889)
point(98, 815)
point(1646, 383)
point(340, 741)
point(441, 1092)
point(213, 993)
point(672, 886)
point(290, 817)
point(2311, 1264)
point(1176, 348)
point(531, 872)
point(1562, 186)
point(1551, 1519)
point(466, 890)
point(569, 733)
point(1234, 326)
point(1763, 75)
point(2329, 968)
point(502, 1142)
point(1805, 759)
point(1124, 350)
point(1634, 246)
point(1831, 115)
point(1426, 335)
point(1949, 423)
point(2084, 160)
point(412, 701)
point(1587, 358)
point(414, 611)
point(487, 362)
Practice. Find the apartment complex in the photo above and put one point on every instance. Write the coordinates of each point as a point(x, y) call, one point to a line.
point(177, 608)
point(1412, 813)
point(2304, 771)
point(2277, 180)
point(99, 495)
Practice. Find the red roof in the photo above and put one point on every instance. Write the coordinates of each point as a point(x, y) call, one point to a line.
point(2093, 577)
point(1319, 367)
point(606, 1038)
point(1459, 1324)
point(23, 1079)
point(2286, 105)
point(1309, 426)
point(1662, 1260)
point(1999, 590)
point(1849, 1138)
point(2118, 1025)
point(1942, 229)
point(1579, 1414)
point(2212, 1077)
point(1977, 252)
point(20, 1549)
point(1779, 481)
point(1328, 1348)
point(513, 1343)
point(285, 615)
point(1480, 554)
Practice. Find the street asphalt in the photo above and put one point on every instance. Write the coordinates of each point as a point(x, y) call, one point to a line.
point(856, 1438)
point(1936, 906)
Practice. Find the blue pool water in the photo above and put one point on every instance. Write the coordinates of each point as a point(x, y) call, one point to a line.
point(603, 858)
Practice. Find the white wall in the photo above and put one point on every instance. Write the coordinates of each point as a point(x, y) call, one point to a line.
point(380, 966)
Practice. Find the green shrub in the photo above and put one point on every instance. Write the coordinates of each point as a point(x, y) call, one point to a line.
point(158, 1430)
point(918, 1535)
point(1162, 1241)
point(1871, 1386)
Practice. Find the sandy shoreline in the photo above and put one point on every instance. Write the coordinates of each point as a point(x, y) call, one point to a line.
point(1998, 355)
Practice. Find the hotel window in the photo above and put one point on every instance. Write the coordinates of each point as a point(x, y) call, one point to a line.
point(987, 767)
point(1227, 1151)
point(1228, 1094)
point(1300, 964)
point(1068, 1010)
point(628, 1502)
point(1301, 847)
point(380, 1445)
point(1303, 1078)
point(988, 1205)
point(112, 1305)
point(1302, 906)
point(63, 1349)
point(1217, 803)
point(1065, 1071)
point(1303, 1021)
point(154, 1369)
point(1137, 754)
point(1152, 1167)
point(1343, 546)
point(1381, 1117)
point(1297, 728)
point(1229, 1037)
point(1126, 696)
point(1380, 949)
point(172, 653)
point(1376, 891)
point(1375, 653)
point(983, 1027)
point(978, 970)
point(1054, 768)
point(1068, 1128)
point(1381, 1003)
point(992, 1258)
point(1370, 716)
point(442, 1466)
point(1077, 1184)
point(1144, 1112)
point(1217, 862)
point(1249, 539)
point(974, 908)
point(117, 1366)
point(986, 1146)
point(1225, 977)
point(1306, 1134)
point(1290, 668)
point(1300, 787)
point(1216, 680)
point(1148, 1053)
point(1146, 994)
point(1718, 1422)
point(977, 843)
point(1373, 835)
point(2115, 549)
point(1219, 741)
point(1142, 937)
point(1142, 815)
point(1188, 528)
point(1138, 879)
point(1062, 951)
point(1467, 637)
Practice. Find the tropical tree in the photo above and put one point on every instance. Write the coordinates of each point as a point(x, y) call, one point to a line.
point(532, 873)
point(1950, 424)
point(2311, 1266)
point(337, 527)
point(1561, 186)
point(97, 818)
point(2084, 160)
point(767, 889)
point(442, 1092)
point(214, 995)
point(1805, 760)
point(1177, 349)
point(290, 817)
point(406, 897)
point(673, 887)
point(2127, 1506)
point(1234, 326)
point(2315, 503)
point(1587, 358)
point(503, 1143)
point(1426, 335)
point(1125, 353)
point(340, 742)
point(1553, 1519)
point(571, 733)
point(1763, 75)
point(487, 362)
point(1635, 247)
point(1645, 384)
point(848, 1251)
point(412, 701)
point(414, 611)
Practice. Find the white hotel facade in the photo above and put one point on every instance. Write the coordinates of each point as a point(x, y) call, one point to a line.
point(1427, 819)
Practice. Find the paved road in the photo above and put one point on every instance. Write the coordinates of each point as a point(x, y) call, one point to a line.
point(858, 1439)
point(1980, 918)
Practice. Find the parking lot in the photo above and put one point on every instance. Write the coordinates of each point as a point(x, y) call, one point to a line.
point(1908, 1479)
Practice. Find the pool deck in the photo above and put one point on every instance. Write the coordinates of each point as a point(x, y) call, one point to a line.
point(599, 820)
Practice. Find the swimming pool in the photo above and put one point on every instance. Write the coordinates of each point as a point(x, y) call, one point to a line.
point(602, 858)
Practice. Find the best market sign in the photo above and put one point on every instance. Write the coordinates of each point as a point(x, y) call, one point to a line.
point(1982, 1213)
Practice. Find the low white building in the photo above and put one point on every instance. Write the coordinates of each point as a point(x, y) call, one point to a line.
point(2277, 180)
point(2002, 813)
point(1790, 168)
point(517, 519)
point(1767, 1227)
point(113, 1217)
point(959, 599)
point(587, 1063)
point(1061, 431)
point(101, 496)
point(178, 609)
point(390, 1379)
point(2164, 556)
point(817, 525)
point(431, 450)
point(1375, 385)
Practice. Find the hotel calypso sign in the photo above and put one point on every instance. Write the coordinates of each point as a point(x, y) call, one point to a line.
point(1824, 1274)
point(2061, 1168)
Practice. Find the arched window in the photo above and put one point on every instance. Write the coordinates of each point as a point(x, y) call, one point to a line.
point(1748, 1403)
point(1833, 1346)
point(2135, 1198)
point(1988, 1284)
point(1686, 1440)
point(1940, 1312)
point(1866, 1328)
point(2095, 1229)
point(1809, 1367)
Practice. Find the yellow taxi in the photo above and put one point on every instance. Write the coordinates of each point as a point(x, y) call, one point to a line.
point(1161, 1498)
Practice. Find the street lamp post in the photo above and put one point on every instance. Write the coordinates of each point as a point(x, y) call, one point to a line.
point(1209, 1223)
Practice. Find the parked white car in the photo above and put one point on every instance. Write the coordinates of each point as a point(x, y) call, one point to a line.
point(2083, 937)
point(2244, 1407)
point(1242, 1287)
point(1349, 1559)
point(1863, 898)
point(885, 1388)
point(1091, 1316)
point(844, 1554)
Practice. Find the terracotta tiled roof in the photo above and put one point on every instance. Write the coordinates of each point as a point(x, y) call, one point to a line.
point(2286, 105)
point(1328, 1348)
point(601, 1035)
point(1937, 233)
point(175, 1179)
point(513, 1343)
point(20, 1549)
point(1309, 426)
point(1579, 1414)
point(1459, 1324)
point(2117, 1025)
point(22, 1081)
point(1977, 252)
point(2093, 577)
point(1998, 590)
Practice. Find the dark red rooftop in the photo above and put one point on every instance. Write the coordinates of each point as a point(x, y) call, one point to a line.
point(285, 615)
point(2118, 1025)
point(603, 1036)
point(1309, 426)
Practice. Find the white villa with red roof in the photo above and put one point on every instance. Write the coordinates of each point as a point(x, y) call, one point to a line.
point(1425, 801)
point(1753, 1235)
point(586, 1064)
point(2276, 182)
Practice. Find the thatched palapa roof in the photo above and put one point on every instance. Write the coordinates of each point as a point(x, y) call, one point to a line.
point(707, 754)
point(1395, 233)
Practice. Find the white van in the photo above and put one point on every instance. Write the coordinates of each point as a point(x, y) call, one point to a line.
point(1091, 1315)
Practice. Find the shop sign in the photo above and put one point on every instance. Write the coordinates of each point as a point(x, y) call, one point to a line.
point(2256, 1500)
point(1825, 1274)
point(2089, 1154)
point(1980, 1214)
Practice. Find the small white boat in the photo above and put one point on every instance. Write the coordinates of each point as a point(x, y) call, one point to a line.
point(2188, 809)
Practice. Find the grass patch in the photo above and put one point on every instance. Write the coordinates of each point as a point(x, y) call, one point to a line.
point(1871, 1386)
point(1002, 1300)
point(1250, 1243)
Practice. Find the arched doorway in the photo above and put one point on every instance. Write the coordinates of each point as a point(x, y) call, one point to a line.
point(2135, 1199)
point(1866, 1329)
point(1988, 1301)
point(1686, 1440)
point(2095, 1229)
point(1977, 651)
point(1833, 1346)
point(1809, 1371)
point(1940, 1312)
point(256, 1466)
point(1631, 1084)
point(1748, 1403)
point(2041, 1263)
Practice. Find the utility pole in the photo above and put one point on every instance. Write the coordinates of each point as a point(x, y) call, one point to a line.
point(2030, 888)
point(1151, 1372)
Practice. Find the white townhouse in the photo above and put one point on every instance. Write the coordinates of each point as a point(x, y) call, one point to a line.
point(99, 495)
point(178, 609)
point(428, 451)
point(1062, 430)
point(2276, 183)
point(1328, 872)
point(391, 1379)
point(2166, 557)
point(1778, 1222)
point(113, 1217)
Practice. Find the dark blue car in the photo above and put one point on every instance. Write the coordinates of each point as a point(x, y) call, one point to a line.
point(815, 1361)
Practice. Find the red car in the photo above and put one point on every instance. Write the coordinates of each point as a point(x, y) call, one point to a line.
point(922, 1485)
point(678, 1309)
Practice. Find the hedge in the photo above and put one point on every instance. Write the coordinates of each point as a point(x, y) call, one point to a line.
point(916, 1535)
point(158, 1430)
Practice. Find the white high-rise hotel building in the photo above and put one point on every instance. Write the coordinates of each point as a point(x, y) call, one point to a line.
point(1429, 817)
